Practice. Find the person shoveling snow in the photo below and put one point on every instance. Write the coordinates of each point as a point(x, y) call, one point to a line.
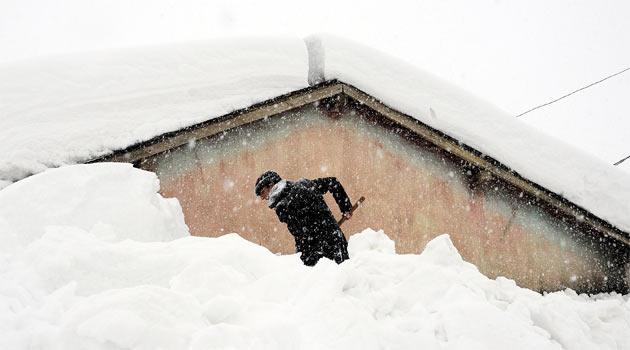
point(301, 206)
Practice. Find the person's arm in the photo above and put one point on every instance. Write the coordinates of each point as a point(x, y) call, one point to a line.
point(330, 184)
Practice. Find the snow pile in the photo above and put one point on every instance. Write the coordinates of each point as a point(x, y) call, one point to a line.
point(371, 240)
point(583, 179)
point(111, 201)
point(68, 109)
point(69, 286)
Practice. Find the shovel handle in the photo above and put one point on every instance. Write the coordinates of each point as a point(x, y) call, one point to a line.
point(354, 207)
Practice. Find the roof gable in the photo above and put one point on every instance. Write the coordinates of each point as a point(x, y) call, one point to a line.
point(53, 117)
point(551, 163)
point(338, 90)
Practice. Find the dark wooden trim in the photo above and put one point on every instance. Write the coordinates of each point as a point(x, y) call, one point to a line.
point(332, 88)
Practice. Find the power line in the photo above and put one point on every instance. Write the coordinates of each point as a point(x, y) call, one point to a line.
point(572, 92)
point(621, 161)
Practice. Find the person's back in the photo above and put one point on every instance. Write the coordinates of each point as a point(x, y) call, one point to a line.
point(302, 207)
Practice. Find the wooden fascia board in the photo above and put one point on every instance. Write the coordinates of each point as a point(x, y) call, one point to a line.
point(493, 166)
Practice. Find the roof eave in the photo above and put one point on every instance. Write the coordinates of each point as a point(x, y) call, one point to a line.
point(333, 88)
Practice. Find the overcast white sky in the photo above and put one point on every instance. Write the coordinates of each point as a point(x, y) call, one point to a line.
point(513, 54)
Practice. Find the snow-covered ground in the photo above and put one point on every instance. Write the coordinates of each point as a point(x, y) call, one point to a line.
point(93, 258)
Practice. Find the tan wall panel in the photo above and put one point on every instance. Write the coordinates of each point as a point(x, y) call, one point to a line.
point(412, 193)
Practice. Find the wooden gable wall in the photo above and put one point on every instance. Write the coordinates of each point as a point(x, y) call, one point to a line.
point(419, 183)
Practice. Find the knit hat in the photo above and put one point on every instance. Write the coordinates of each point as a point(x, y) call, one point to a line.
point(268, 178)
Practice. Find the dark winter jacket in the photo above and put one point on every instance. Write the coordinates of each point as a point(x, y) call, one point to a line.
point(302, 207)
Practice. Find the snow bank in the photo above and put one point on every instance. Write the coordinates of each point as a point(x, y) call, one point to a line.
point(113, 201)
point(68, 109)
point(69, 286)
point(371, 240)
point(585, 180)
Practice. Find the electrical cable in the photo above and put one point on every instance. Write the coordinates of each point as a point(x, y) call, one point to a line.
point(573, 92)
point(621, 161)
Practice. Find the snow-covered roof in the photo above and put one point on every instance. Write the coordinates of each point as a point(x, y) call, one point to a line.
point(579, 177)
point(71, 109)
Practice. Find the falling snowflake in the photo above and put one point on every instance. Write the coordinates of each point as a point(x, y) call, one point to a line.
point(228, 185)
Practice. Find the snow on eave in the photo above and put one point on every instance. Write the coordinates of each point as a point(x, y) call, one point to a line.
point(250, 114)
point(582, 179)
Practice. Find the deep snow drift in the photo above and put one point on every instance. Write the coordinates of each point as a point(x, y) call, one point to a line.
point(94, 258)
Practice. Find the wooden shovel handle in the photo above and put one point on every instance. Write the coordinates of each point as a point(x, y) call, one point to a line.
point(354, 207)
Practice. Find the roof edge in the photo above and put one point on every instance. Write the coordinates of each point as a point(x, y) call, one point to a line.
point(490, 164)
point(213, 126)
point(330, 88)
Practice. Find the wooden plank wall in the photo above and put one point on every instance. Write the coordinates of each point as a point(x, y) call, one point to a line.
point(414, 192)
